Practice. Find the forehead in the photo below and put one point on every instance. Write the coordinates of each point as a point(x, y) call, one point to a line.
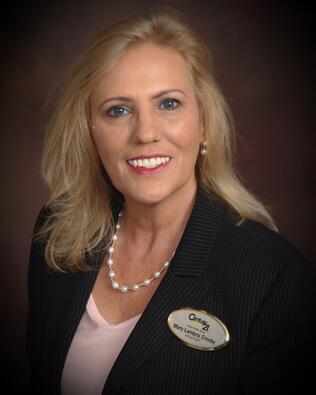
point(147, 67)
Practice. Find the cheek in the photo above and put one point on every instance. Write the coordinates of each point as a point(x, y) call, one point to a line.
point(105, 141)
point(187, 135)
point(106, 147)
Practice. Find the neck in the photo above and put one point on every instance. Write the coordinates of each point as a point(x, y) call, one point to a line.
point(153, 222)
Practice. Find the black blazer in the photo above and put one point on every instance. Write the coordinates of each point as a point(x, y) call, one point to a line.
point(248, 276)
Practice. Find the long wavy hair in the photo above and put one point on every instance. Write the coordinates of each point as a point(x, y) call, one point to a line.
point(81, 195)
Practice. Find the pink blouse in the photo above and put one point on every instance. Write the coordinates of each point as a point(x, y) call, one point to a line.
point(93, 351)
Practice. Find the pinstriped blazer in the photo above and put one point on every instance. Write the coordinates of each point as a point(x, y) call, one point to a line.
point(248, 276)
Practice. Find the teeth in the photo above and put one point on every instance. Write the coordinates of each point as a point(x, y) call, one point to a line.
point(149, 163)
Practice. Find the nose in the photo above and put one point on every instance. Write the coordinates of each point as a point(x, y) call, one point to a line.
point(146, 128)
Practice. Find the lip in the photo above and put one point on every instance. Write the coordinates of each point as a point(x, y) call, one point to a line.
point(146, 172)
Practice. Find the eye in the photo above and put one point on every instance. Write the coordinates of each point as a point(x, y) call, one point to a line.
point(170, 104)
point(116, 111)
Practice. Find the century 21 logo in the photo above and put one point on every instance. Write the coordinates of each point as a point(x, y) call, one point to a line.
point(205, 324)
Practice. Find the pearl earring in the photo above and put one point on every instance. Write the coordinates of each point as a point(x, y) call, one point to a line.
point(203, 150)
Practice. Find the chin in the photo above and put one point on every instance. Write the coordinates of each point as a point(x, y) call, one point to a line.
point(150, 196)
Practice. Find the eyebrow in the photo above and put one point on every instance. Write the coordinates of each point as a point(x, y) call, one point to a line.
point(128, 99)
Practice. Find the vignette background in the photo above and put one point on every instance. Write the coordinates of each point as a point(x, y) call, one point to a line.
point(263, 61)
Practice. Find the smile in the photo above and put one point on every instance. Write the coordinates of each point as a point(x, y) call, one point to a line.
point(149, 165)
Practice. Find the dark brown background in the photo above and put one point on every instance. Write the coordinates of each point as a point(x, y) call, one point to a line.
point(262, 55)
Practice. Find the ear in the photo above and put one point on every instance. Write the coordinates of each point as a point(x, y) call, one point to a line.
point(202, 136)
point(202, 130)
point(91, 127)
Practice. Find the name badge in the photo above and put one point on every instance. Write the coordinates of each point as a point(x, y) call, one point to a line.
point(198, 329)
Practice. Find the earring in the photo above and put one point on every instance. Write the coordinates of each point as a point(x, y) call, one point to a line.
point(203, 150)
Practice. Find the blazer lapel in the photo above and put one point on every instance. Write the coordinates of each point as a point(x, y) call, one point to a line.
point(183, 285)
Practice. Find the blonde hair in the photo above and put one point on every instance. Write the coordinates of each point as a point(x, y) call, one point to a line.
point(81, 195)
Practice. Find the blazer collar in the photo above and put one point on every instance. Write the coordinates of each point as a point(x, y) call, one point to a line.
point(199, 235)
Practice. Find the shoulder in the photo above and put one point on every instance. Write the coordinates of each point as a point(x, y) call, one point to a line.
point(43, 214)
point(37, 265)
point(255, 241)
point(40, 286)
point(270, 239)
point(246, 253)
point(252, 260)
point(281, 258)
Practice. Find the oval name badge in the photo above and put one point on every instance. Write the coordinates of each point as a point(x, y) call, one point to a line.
point(198, 329)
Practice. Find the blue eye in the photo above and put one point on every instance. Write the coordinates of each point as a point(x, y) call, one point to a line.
point(170, 104)
point(116, 111)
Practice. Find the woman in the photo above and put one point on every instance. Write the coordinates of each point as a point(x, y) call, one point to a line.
point(152, 269)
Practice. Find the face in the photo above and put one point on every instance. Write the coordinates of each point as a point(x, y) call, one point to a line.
point(146, 126)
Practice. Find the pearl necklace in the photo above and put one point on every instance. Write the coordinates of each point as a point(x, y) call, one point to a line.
point(111, 273)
